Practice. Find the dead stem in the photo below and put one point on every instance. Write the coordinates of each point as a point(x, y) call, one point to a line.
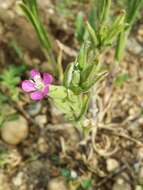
point(116, 132)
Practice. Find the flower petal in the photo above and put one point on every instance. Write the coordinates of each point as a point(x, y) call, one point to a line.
point(46, 90)
point(28, 86)
point(34, 73)
point(37, 95)
point(47, 78)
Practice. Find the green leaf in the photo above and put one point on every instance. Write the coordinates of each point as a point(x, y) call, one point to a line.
point(92, 34)
point(121, 79)
point(92, 17)
point(68, 75)
point(75, 79)
point(117, 27)
point(10, 79)
point(57, 92)
point(85, 103)
point(103, 7)
point(65, 172)
point(80, 29)
point(55, 159)
point(133, 7)
point(12, 117)
point(88, 72)
point(121, 42)
point(69, 103)
point(82, 57)
point(86, 184)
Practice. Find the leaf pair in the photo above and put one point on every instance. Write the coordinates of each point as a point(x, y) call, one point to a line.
point(73, 106)
point(107, 34)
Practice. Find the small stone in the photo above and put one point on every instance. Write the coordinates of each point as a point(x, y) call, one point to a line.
point(42, 145)
point(138, 187)
point(72, 137)
point(14, 132)
point(41, 119)
point(135, 130)
point(7, 18)
point(14, 159)
point(34, 109)
point(73, 174)
point(140, 153)
point(44, 4)
point(57, 184)
point(120, 184)
point(93, 162)
point(4, 185)
point(6, 4)
point(134, 46)
point(140, 31)
point(134, 111)
point(18, 179)
point(112, 164)
point(137, 167)
point(57, 115)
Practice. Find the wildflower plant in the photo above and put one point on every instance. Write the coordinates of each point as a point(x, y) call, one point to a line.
point(73, 94)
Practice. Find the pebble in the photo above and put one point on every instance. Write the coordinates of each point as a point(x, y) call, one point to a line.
point(18, 179)
point(14, 132)
point(140, 31)
point(134, 46)
point(57, 184)
point(7, 18)
point(134, 111)
point(57, 115)
point(42, 145)
point(112, 164)
point(73, 174)
point(6, 4)
point(14, 159)
point(72, 137)
point(134, 128)
point(34, 109)
point(41, 119)
point(120, 184)
point(4, 185)
point(93, 162)
point(140, 153)
point(138, 187)
point(44, 4)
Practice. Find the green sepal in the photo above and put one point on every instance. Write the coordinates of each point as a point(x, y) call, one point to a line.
point(68, 75)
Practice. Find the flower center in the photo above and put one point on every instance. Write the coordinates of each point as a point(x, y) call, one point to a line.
point(39, 85)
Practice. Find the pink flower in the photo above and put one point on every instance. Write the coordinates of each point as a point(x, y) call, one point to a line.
point(38, 86)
